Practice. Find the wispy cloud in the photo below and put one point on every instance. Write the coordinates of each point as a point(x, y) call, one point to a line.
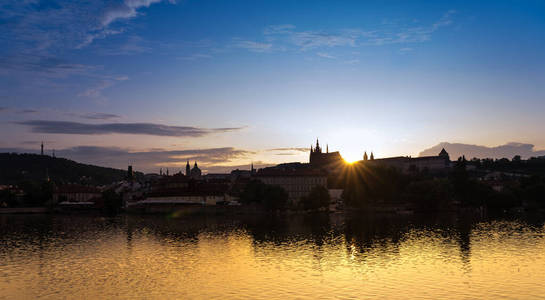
point(99, 116)
point(40, 38)
point(27, 111)
point(325, 55)
point(287, 35)
point(39, 28)
point(297, 149)
point(48, 66)
point(316, 39)
point(66, 127)
point(351, 61)
point(106, 82)
point(132, 45)
point(251, 45)
point(195, 56)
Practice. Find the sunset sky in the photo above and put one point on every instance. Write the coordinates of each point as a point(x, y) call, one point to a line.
point(154, 83)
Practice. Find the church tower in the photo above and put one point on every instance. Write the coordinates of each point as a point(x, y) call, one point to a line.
point(187, 169)
point(318, 149)
point(42, 151)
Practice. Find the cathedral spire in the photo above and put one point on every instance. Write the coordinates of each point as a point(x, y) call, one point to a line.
point(317, 148)
point(365, 157)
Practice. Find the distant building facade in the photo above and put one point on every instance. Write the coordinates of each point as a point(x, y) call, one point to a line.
point(296, 182)
point(406, 164)
point(76, 194)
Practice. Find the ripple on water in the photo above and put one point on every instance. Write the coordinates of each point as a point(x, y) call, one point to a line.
point(55, 257)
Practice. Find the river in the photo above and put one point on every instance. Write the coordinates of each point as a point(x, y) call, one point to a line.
point(266, 257)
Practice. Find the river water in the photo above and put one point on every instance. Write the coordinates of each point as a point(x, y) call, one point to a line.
point(264, 257)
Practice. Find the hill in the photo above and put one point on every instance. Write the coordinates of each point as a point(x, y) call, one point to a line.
point(15, 168)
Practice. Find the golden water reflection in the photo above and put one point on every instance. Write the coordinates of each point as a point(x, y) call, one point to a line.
point(85, 257)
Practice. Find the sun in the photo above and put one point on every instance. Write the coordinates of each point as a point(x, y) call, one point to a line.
point(351, 158)
point(349, 161)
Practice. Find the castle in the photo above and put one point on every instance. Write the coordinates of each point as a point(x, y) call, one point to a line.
point(319, 159)
point(332, 161)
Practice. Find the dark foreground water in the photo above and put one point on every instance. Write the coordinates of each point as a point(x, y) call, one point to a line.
point(310, 257)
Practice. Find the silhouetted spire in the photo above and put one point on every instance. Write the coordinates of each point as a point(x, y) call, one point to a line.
point(187, 169)
point(372, 157)
point(365, 156)
point(42, 149)
point(327, 148)
point(130, 173)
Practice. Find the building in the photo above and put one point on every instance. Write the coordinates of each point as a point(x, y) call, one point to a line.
point(296, 182)
point(187, 169)
point(195, 172)
point(182, 190)
point(217, 176)
point(73, 193)
point(324, 160)
point(407, 164)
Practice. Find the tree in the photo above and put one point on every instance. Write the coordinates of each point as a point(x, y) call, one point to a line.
point(275, 198)
point(317, 198)
point(428, 195)
point(112, 201)
point(270, 196)
point(253, 192)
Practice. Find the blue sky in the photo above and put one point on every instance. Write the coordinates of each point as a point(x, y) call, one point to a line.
point(229, 82)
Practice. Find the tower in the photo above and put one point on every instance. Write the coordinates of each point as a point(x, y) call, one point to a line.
point(130, 173)
point(42, 151)
point(372, 157)
point(326, 148)
point(365, 156)
point(196, 172)
point(317, 149)
point(187, 169)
